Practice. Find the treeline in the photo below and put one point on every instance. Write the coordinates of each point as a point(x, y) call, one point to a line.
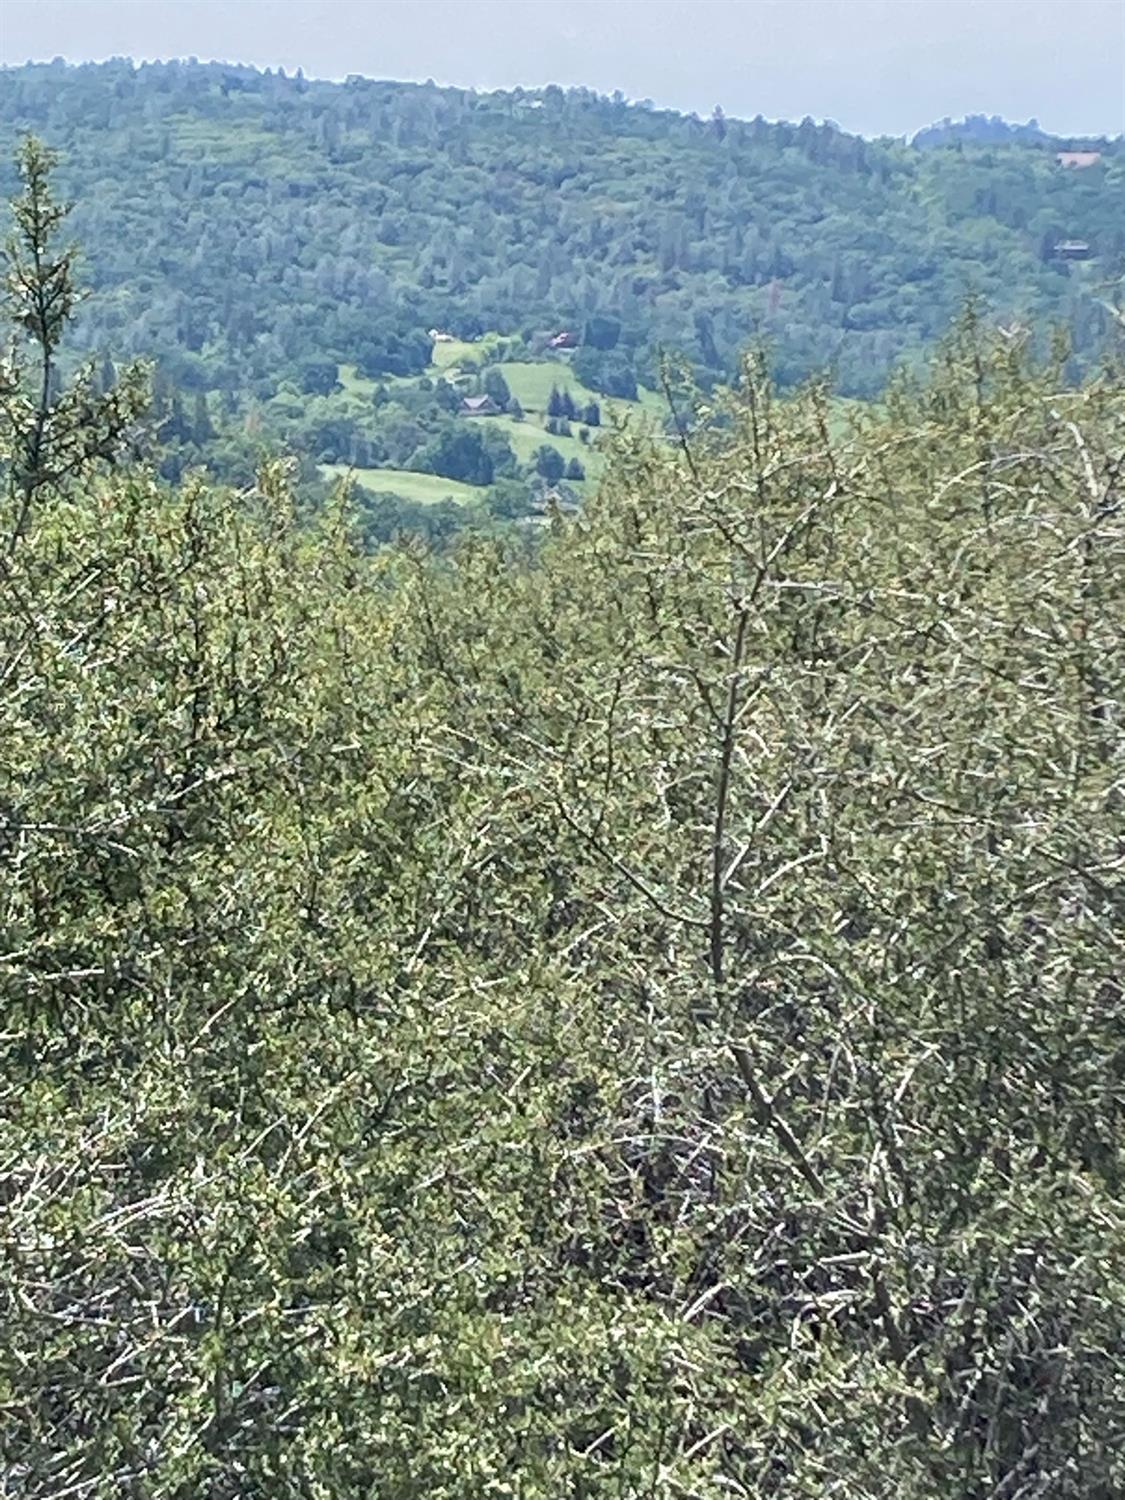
point(240, 224)
point(642, 1019)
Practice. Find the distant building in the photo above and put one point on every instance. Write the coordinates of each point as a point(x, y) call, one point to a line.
point(441, 338)
point(1078, 158)
point(564, 340)
point(479, 406)
point(555, 499)
point(1072, 250)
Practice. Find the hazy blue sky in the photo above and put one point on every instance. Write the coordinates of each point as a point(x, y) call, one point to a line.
point(872, 65)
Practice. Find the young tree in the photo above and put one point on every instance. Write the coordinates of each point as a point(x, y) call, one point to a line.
point(494, 385)
point(202, 427)
point(49, 433)
point(550, 463)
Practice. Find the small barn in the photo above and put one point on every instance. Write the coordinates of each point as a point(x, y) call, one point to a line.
point(1072, 250)
point(479, 406)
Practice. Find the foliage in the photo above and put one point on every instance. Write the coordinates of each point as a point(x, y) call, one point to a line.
point(550, 463)
point(601, 332)
point(982, 128)
point(241, 223)
point(270, 239)
point(319, 377)
point(464, 452)
point(636, 1015)
point(493, 384)
point(609, 374)
point(49, 434)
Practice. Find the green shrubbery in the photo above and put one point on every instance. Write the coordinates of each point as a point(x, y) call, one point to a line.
point(641, 1021)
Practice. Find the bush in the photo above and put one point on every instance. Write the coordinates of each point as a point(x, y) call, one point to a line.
point(635, 1011)
point(550, 463)
point(318, 377)
point(458, 451)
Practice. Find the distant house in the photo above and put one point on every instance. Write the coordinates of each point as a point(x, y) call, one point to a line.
point(1078, 158)
point(552, 499)
point(441, 338)
point(479, 406)
point(1072, 250)
point(564, 340)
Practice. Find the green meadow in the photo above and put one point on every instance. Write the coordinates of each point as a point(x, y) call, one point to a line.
point(426, 489)
point(531, 383)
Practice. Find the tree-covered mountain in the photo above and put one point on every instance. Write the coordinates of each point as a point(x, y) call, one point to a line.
point(240, 224)
point(983, 129)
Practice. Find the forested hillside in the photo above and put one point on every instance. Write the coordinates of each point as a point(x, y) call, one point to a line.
point(258, 234)
point(637, 1021)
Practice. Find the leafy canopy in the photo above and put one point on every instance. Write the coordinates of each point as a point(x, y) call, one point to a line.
point(644, 1020)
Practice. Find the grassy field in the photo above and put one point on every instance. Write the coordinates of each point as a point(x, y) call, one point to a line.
point(530, 382)
point(427, 489)
point(353, 382)
point(446, 355)
point(528, 435)
point(652, 403)
point(356, 384)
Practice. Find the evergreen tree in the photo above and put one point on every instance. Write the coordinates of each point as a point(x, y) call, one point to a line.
point(496, 386)
point(601, 332)
point(202, 428)
point(549, 463)
point(48, 434)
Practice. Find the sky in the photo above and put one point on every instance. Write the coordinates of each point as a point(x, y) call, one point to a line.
point(873, 66)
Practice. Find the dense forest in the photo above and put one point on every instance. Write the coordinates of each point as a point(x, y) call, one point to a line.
point(638, 1017)
point(271, 239)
